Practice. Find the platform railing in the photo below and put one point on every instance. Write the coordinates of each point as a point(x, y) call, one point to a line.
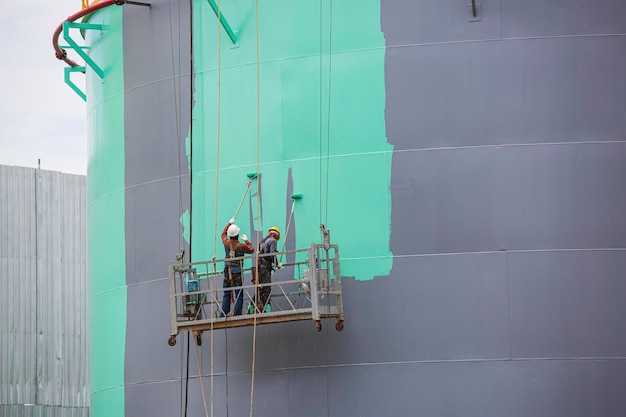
point(308, 287)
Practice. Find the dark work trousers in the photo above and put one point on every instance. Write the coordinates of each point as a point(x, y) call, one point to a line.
point(236, 282)
point(265, 277)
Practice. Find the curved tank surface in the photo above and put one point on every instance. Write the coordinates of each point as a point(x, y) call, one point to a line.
point(468, 157)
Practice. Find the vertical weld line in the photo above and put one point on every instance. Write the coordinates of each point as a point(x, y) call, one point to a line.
point(508, 292)
point(500, 19)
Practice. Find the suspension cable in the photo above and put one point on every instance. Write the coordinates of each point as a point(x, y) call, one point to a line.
point(206, 412)
point(258, 167)
point(178, 147)
point(217, 171)
point(330, 66)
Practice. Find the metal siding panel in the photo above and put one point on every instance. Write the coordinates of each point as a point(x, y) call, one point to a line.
point(488, 389)
point(562, 18)
point(162, 398)
point(454, 201)
point(308, 392)
point(563, 196)
point(152, 326)
point(506, 92)
point(400, 318)
point(568, 304)
point(411, 22)
point(147, 208)
point(515, 197)
point(44, 333)
point(18, 304)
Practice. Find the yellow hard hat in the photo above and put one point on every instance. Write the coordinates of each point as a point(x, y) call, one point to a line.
point(274, 229)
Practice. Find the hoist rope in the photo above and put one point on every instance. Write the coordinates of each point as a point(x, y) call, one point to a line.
point(190, 172)
point(330, 67)
point(178, 147)
point(206, 412)
point(327, 159)
point(191, 64)
point(321, 108)
point(177, 116)
point(258, 166)
point(187, 377)
point(217, 170)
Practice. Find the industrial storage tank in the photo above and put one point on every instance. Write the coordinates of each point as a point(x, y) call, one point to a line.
point(467, 156)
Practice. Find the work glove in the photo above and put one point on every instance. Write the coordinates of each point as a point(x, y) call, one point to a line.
point(244, 237)
point(279, 265)
point(231, 221)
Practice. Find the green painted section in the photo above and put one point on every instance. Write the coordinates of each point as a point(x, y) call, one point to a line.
point(322, 118)
point(105, 217)
point(185, 222)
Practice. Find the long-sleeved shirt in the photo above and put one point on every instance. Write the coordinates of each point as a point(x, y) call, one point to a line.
point(269, 245)
point(236, 246)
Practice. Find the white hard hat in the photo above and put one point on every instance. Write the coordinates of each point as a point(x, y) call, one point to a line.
point(232, 231)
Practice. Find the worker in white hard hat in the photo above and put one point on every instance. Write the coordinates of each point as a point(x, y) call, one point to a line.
point(267, 264)
point(232, 269)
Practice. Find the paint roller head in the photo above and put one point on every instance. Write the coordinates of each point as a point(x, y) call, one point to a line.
point(252, 175)
point(296, 196)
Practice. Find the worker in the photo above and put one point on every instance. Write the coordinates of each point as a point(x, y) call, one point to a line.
point(233, 269)
point(266, 267)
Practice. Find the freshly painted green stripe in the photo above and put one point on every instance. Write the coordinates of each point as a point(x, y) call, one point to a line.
point(106, 245)
point(341, 164)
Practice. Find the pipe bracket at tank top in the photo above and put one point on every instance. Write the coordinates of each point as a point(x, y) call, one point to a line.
point(68, 81)
point(220, 16)
point(79, 50)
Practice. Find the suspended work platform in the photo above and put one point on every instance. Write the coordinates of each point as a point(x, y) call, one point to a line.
point(308, 287)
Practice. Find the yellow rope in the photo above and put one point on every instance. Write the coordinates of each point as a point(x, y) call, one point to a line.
point(217, 170)
point(258, 185)
point(200, 375)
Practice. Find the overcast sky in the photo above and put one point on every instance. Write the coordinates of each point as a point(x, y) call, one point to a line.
point(40, 116)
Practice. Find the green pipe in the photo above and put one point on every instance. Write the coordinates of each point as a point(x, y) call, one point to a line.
point(79, 50)
point(68, 80)
point(232, 35)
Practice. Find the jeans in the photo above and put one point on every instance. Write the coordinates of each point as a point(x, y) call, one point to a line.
point(238, 296)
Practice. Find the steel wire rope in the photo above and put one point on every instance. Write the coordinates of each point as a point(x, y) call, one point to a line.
point(258, 185)
point(320, 114)
point(180, 186)
point(177, 118)
point(187, 378)
point(206, 412)
point(217, 173)
point(330, 68)
point(191, 63)
point(330, 58)
point(327, 162)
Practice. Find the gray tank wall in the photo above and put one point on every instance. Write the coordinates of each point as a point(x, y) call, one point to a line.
point(508, 234)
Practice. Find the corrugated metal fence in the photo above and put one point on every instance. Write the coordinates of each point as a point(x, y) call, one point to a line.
point(43, 294)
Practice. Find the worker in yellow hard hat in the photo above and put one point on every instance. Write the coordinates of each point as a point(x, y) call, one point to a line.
point(267, 264)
